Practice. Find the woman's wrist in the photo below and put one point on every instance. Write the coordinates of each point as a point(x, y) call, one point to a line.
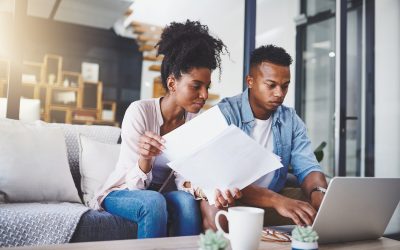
point(145, 165)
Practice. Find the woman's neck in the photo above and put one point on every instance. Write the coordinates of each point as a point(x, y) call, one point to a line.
point(172, 113)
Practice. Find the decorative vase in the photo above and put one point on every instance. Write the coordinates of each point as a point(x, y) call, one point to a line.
point(299, 245)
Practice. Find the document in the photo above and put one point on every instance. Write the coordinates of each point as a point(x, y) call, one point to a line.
point(217, 156)
point(187, 138)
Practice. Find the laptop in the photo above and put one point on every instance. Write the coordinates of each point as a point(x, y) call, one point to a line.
point(356, 208)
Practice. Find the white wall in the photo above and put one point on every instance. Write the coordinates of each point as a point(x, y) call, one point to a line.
point(275, 25)
point(225, 19)
point(387, 94)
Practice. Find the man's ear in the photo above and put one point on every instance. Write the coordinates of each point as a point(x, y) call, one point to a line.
point(249, 81)
point(171, 83)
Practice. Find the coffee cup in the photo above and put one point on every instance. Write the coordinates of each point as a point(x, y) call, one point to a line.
point(245, 227)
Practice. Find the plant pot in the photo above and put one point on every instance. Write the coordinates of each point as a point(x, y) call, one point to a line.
point(298, 245)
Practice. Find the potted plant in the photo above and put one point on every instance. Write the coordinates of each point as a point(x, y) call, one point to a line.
point(212, 241)
point(304, 238)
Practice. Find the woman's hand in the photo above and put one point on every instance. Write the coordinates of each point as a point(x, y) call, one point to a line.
point(149, 146)
point(221, 202)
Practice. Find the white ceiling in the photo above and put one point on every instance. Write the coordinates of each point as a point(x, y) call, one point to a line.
point(94, 13)
point(162, 12)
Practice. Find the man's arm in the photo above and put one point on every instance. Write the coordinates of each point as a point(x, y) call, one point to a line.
point(300, 212)
point(304, 163)
point(311, 181)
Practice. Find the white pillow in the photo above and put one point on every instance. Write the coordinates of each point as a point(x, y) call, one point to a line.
point(33, 163)
point(96, 160)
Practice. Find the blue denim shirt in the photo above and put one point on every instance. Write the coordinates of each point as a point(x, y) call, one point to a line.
point(291, 142)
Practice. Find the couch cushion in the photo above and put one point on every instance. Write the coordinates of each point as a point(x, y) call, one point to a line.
point(97, 161)
point(105, 134)
point(33, 163)
point(101, 225)
point(29, 224)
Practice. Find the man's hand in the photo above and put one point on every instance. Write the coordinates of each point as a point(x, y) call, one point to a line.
point(302, 213)
point(221, 202)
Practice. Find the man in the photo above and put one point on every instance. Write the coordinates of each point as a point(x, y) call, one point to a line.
point(259, 112)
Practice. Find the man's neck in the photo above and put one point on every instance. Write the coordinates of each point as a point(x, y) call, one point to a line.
point(259, 112)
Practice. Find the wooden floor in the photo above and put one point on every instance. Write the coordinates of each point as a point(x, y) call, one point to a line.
point(191, 243)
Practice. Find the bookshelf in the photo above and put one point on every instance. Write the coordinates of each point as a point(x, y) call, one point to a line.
point(64, 96)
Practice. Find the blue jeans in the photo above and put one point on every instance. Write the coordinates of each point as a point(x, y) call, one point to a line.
point(152, 211)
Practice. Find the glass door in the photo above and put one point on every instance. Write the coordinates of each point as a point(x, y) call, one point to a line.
point(315, 80)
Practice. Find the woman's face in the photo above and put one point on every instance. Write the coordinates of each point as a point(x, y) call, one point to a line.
point(191, 90)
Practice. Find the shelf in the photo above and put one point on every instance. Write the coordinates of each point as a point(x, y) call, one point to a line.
point(71, 79)
point(155, 67)
point(95, 122)
point(153, 58)
point(64, 96)
point(32, 72)
point(52, 69)
point(55, 87)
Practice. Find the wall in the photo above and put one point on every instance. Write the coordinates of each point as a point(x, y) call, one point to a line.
point(119, 59)
point(387, 94)
point(275, 25)
point(225, 19)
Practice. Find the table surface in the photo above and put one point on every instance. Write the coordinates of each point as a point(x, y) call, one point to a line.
point(191, 242)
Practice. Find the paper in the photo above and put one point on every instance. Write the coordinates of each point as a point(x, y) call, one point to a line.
point(229, 160)
point(193, 134)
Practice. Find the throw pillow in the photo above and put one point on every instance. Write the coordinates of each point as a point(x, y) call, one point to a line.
point(97, 161)
point(33, 163)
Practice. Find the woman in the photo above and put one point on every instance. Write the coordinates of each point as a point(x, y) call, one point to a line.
point(131, 191)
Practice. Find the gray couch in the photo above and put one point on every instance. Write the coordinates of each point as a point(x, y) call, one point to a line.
point(94, 225)
point(36, 223)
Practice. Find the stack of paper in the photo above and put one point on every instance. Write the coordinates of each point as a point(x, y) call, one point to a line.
point(211, 154)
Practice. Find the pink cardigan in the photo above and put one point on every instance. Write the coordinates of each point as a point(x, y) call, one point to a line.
point(141, 116)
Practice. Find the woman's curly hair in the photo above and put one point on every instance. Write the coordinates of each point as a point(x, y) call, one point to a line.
point(188, 45)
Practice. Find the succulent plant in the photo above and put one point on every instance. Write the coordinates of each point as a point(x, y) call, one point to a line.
point(213, 241)
point(304, 234)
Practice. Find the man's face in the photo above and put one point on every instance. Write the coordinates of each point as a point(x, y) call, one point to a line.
point(268, 85)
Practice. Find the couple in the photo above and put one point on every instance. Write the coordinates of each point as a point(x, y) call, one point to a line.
point(190, 55)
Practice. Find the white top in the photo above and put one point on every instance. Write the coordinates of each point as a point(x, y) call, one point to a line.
point(262, 133)
point(141, 116)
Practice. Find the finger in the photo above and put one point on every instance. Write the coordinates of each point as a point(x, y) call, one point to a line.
point(304, 217)
point(218, 204)
point(238, 194)
point(229, 197)
point(155, 144)
point(220, 198)
point(154, 136)
point(145, 139)
point(295, 219)
point(152, 150)
point(310, 210)
point(146, 154)
point(147, 151)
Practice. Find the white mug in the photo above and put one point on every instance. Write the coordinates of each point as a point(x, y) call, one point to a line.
point(245, 227)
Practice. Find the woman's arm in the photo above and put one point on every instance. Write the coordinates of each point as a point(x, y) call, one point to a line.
point(137, 147)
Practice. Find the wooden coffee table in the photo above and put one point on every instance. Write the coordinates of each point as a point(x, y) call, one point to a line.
point(191, 243)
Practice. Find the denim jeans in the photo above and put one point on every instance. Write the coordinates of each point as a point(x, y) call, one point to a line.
point(152, 211)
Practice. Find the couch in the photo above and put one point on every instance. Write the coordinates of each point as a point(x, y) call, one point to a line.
point(96, 225)
point(93, 225)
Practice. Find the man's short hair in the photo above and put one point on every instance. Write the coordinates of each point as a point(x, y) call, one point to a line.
point(272, 54)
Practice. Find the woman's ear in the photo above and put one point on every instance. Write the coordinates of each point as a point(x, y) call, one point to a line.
point(171, 83)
